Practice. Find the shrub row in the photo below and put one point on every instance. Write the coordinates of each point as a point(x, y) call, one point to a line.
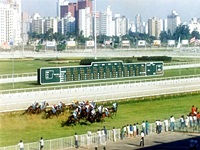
point(154, 58)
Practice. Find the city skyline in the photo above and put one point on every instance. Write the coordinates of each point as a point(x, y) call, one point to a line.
point(160, 9)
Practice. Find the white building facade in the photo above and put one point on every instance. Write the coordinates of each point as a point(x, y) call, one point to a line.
point(194, 24)
point(10, 24)
point(85, 22)
point(106, 23)
point(173, 21)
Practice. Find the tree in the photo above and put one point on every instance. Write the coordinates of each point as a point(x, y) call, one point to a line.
point(195, 34)
point(164, 37)
point(182, 31)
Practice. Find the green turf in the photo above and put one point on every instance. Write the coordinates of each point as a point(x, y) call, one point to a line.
point(30, 128)
point(24, 66)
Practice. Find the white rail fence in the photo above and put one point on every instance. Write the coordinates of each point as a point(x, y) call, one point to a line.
point(94, 140)
point(102, 83)
point(166, 67)
point(57, 94)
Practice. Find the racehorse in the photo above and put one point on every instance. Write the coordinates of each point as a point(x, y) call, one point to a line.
point(40, 108)
point(112, 111)
point(71, 120)
point(50, 113)
point(31, 110)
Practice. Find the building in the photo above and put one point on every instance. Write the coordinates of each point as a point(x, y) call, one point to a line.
point(67, 24)
point(37, 24)
point(106, 23)
point(85, 22)
point(173, 21)
point(10, 24)
point(25, 26)
point(138, 23)
point(194, 24)
point(97, 24)
point(121, 25)
point(154, 27)
point(51, 23)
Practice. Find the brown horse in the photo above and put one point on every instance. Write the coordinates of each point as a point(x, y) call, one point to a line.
point(41, 109)
point(31, 110)
point(70, 121)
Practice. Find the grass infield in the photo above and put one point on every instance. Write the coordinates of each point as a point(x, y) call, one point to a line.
point(15, 126)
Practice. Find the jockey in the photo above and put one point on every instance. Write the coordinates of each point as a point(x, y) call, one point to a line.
point(100, 109)
point(75, 114)
point(60, 105)
point(73, 104)
point(106, 111)
point(79, 108)
point(42, 105)
point(34, 104)
point(54, 109)
point(115, 106)
point(93, 104)
point(93, 112)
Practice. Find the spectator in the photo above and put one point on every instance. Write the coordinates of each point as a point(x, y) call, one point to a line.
point(76, 140)
point(114, 134)
point(122, 133)
point(187, 121)
point(182, 122)
point(142, 139)
point(191, 121)
point(157, 126)
point(131, 130)
point(137, 128)
point(147, 127)
point(143, 127)
point(134, 130)
point(166, 124)
point(172, 121)
point(41, 143)
point(21, 145)
point(198, 119)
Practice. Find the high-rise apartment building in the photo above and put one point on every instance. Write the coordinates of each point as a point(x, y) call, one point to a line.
point(25, 26)
point(173, 21)
point(85, 22)
point(10, 24)
point(154, 27)
point(97, 15)
point(138, 22)
point(121, 25)
point(51, 23)
point(194, 24)
point(67, 24)
point(37, 24)
point(106, 23)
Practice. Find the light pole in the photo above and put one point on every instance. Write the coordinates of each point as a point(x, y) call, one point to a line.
point(13, 67)
point(95, 30)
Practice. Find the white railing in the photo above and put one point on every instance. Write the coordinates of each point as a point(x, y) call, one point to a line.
point(18, 75)
point(94, 140)
point(102, 83)
point(166, 65)
point(105, 97)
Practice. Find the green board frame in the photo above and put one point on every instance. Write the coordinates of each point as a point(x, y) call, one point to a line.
point(98, 71)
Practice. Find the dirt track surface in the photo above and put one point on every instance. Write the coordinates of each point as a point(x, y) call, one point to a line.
point(163, 141)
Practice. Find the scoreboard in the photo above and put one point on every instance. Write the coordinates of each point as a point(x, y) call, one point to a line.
point(98, 70)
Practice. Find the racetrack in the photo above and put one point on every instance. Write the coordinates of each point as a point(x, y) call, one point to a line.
point(18, 101)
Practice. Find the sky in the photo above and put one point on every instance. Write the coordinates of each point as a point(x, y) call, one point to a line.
point(187, 9)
